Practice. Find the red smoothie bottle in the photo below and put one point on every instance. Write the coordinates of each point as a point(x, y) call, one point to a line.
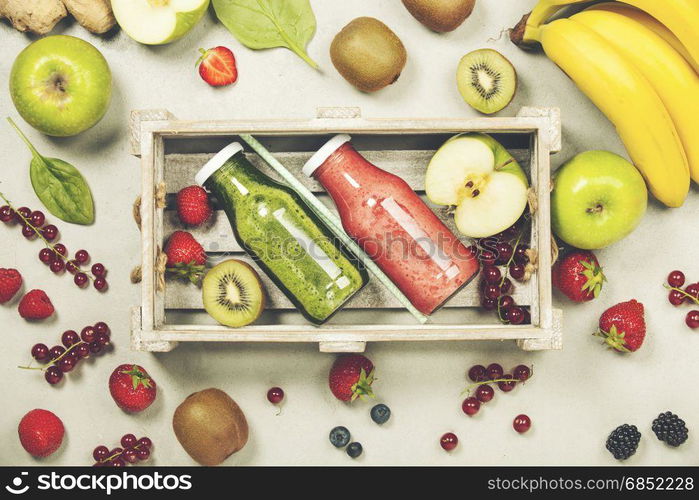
point(383, 214)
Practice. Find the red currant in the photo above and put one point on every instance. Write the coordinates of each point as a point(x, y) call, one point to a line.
point(98, 270)
point(49, 232)
point(102, 327)
point(517, 271)
point(275, 395)
point(491, 291)
point(87, 334)
point(53, 375)
point(515, 315)
point(522, 373)
point(477, 373)
point(485, 393)
point(23, 213)
point(66, 364)
point(692, 290)
point(130, 455)
point(675, 297)
point(37, 219)
point(28, 232)
point(506, 286)
point(100, 453)
point(95, 347)
point(145, 442)
point(71, 267)
point(61, 248)
point(676, 279)
point(504, 252)
point(128, 440)
point(81, 256)
point(46, 256)
point(56, 352)
point(494, 371)
point(521, 256)
point(69, 338)
point(489, 304)
point(83, 350)
point(449, 441)
point(57, 266)
point(487, 258)
point(521, 423)
point(81, 279)
point(492, 275)
point(6, 214)
point(143, 453)
point(40, 352)
point(692, 319)
point(470, 406)
point(506, 301)
point(100, 284)
point(509, 385)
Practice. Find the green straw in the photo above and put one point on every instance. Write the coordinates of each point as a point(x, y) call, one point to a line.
point(332, 222)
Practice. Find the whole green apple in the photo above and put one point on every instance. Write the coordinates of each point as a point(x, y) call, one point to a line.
point(61, 85)
point(598, 199)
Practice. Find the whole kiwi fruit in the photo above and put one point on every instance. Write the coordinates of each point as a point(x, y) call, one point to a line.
point(440, 15)
point(368, 54)
point(210, 426)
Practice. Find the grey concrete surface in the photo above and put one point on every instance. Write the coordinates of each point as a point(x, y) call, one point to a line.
point(576, 397)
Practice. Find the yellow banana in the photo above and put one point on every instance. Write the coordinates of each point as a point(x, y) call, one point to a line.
point(680, 16)
point(651, 23)
point(622, 93)
point(671, 76)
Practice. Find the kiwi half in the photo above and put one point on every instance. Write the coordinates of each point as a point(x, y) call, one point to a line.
point(232, 293)
point(487, 80)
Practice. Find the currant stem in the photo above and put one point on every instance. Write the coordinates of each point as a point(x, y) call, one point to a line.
point(689, 296)
point(46, 242)
point(112, 457)
point(470, 387)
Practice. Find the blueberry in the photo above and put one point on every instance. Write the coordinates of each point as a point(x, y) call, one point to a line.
point(380, 413)
point(340, 436)
point(354, 449)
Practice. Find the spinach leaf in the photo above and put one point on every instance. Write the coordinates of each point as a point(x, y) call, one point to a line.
point(263, 24)
point(60, 186)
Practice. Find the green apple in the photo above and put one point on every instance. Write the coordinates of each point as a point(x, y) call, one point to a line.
point(157, 22)
point(476, 174)
point(61, 85)
point(598, 199)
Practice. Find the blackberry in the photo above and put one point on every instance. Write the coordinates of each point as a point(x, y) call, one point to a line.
point(623, 441)
point(670, 428)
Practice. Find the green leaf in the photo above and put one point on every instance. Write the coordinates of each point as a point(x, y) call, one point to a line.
point(263, 24)
point(60, 186)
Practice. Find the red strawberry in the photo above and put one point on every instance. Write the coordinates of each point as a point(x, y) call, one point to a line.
point(185, 257)
point(40, 432)
point(10, 283)
point(623, 326)
point(217, 66)
point(351, 377)
point(193, 206)
point(132, 388)
point(579, 276)
point(35, 305)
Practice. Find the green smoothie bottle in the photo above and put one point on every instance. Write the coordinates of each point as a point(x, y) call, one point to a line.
point(284, 237)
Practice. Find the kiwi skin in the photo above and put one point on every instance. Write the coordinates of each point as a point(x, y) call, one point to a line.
point(440, 15)
point(368, 54)
point(225, 317)
point(210, 426)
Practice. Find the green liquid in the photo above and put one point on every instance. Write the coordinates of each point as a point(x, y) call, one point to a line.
point(286, 239)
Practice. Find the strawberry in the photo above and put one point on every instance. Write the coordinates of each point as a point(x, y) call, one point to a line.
point(185, 256)
point(623, 326)
point(351, 377)
point(579, 276)
point(40, 432)
point(132, 388)
point(10, 283)
point(193, 206)
point(217, 66)
point(35, 305)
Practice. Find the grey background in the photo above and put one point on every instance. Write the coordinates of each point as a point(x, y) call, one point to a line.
point(576, 397)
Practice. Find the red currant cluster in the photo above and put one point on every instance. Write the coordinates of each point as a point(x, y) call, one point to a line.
point(679, 296)
point(503, 257)
point(132, 451)
point(484, 378)
point(63, 358)
point(54, 255)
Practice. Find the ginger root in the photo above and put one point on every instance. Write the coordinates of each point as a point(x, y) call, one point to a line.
point(93, 15)
point(37, 16)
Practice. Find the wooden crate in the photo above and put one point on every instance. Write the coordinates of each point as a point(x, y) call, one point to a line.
point(172, 151)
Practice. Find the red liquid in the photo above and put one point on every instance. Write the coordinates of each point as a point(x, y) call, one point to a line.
point(382, 213)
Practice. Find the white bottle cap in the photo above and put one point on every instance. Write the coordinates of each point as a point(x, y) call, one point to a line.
point(324, 152)
point(217, 162)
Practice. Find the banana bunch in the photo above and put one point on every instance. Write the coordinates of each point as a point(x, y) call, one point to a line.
point(638, 62)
